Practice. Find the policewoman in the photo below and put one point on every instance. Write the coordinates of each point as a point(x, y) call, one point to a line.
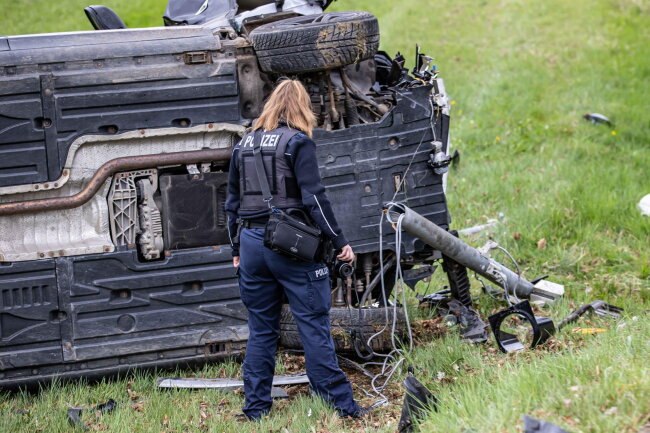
point(285, 126)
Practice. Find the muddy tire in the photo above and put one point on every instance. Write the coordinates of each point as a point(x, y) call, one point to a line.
point(316, 42)
point(344, 321)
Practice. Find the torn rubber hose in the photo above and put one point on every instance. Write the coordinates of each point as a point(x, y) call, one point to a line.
point(542, 327)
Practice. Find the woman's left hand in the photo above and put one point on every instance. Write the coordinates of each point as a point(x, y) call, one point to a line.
point(347, 255)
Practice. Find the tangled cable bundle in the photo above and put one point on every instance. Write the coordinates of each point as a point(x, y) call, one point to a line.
point(397, 356)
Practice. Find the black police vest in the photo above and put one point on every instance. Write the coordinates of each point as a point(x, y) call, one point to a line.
point(279, 174)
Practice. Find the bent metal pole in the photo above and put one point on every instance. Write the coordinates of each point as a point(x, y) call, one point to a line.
point(458, 250)
point(108, 169)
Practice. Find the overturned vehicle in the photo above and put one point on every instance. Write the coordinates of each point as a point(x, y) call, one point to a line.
point(115, 145)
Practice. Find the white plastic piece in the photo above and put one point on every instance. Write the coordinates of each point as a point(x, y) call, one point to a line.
point(644, 205)
point(546, 292)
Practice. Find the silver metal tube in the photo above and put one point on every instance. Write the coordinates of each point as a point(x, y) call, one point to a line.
point(458, 250)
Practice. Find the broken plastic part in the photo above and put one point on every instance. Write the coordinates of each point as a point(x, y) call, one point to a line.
point(75, 413)
point(455, 158)
point(597, 118)
point(540, 327)
point(532, 425)
point(545, 291)
point(412, 276)
point(644, 205)
point(434, 299)
point(472, 327)
point(599, 307)
point(417, 401)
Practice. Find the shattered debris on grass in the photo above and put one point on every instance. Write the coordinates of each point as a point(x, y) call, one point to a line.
point(597, 118)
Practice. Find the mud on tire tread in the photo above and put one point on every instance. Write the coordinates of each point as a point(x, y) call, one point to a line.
point(329, 41)
point(372, 320)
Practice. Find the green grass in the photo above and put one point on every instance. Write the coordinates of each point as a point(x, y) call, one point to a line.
point(521, 74)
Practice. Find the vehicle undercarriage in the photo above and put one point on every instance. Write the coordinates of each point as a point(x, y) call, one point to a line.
point(114, 250)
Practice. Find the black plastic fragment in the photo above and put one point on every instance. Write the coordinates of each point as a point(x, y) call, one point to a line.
point(434, 299)
point(413, 276)
point(389, 71)
point(75, 413)
point(472, 327)
point(538, 279)
point(74, 416)
point(599, 307)
point(532, 425)
point(417, 400)
point(542, 327)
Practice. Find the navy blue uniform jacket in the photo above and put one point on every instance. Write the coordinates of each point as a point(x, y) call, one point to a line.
point(301, 155)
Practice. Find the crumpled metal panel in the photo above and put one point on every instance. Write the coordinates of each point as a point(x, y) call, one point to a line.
point(85, 230)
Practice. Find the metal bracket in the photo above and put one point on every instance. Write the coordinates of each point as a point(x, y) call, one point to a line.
point(197, 57)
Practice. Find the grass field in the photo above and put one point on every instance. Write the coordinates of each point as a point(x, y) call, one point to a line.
point(521, 74)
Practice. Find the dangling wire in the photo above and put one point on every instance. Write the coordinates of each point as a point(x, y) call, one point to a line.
point(395, 358)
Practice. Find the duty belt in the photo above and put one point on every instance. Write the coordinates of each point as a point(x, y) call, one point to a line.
point(250, 224)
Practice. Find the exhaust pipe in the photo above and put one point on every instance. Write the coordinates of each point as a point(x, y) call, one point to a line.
point(471, 258)
point(108, 169)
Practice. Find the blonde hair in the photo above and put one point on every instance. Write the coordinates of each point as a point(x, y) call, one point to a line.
point(289, 101)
